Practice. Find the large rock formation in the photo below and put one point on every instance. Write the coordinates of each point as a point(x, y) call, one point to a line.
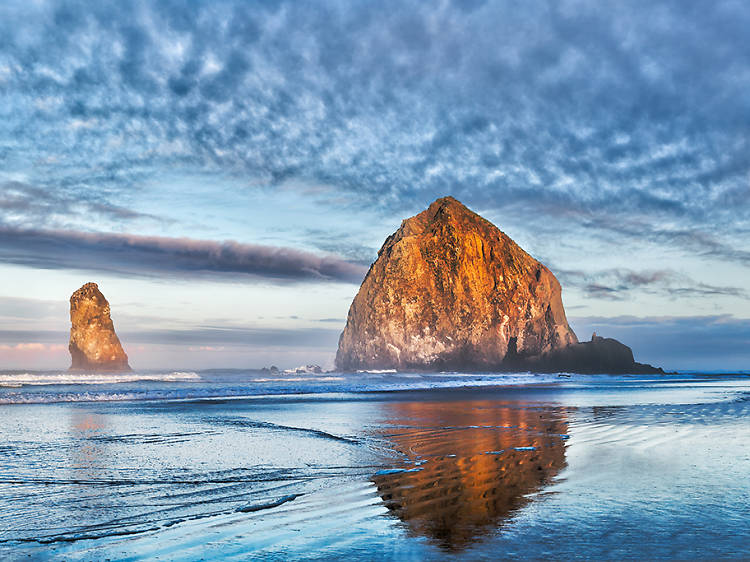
point(94, 346)
point(449, 290)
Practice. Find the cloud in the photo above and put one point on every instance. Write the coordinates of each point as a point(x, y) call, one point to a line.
point(193, 337)
point(335, 243)
point(320, 338)
point(33, 346)
point(705, 243)
point(15, 309)
point(22, 204)
point(191, 348)
point(639, 106)
point(583, 128)
point(618, 284)
point(152, 256)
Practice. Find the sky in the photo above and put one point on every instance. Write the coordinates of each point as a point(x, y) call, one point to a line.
point(227, 170)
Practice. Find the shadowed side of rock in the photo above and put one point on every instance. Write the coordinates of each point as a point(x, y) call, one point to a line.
point(94, 345)
point(600, 355)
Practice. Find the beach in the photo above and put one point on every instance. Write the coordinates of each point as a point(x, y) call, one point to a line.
point(235, 465)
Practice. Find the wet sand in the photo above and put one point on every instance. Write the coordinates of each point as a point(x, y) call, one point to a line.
point(637, 468)
point(475, 463)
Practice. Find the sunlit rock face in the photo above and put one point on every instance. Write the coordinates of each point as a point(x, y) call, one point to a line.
point(94, 346)
point(471, 465)
point(449, 290)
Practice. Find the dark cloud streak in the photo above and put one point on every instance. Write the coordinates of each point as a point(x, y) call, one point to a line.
point(152, 256)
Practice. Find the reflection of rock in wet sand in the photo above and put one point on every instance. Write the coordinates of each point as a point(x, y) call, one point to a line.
point(470, 478)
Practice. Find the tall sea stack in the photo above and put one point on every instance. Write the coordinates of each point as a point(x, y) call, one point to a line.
point(94, 346)
point(449, 290)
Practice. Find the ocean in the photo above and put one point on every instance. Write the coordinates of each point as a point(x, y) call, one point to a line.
point(232, 464)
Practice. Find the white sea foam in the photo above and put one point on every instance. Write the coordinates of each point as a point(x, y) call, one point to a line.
point(45, 387)
point(300, 379)
point(36, 379)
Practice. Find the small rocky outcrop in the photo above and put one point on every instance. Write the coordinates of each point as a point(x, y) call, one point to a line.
point(450, 291)
point(600, 355)
point(94, 346)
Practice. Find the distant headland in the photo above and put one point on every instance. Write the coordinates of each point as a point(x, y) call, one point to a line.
point(450, 291)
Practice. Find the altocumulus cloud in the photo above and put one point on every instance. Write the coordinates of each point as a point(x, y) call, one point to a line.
point(134, 255)
point(554, 107)
point(623, 122)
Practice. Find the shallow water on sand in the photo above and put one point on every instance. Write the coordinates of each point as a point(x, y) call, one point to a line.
point(596, 467)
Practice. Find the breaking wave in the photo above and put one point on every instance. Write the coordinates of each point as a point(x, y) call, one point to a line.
point(51, 378)
point(63, 386)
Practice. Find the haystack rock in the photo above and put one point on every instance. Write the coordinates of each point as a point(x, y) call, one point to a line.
point(94, 346)
point(450, 291)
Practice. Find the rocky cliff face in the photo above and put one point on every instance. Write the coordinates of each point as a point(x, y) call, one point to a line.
point(450, 291)
point(94, 346)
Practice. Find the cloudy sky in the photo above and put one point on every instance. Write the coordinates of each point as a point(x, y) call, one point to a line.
point(226, 170)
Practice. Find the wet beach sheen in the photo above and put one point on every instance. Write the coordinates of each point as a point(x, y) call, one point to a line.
point(592, 467)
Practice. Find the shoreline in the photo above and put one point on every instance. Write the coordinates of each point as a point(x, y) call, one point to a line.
point(142, 388)
point(528, 471)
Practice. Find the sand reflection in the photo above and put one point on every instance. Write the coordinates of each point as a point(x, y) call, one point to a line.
point(470, 464)
point(87, 457)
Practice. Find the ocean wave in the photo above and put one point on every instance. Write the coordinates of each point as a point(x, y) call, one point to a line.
point(14, 380)
point(45, 388)
point(300, 379)
point(30, 388)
